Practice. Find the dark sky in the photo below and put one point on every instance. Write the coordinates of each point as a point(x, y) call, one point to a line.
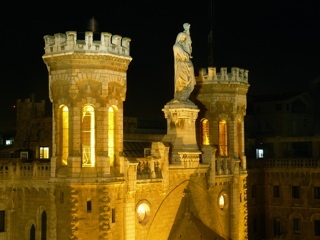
point(278, 41)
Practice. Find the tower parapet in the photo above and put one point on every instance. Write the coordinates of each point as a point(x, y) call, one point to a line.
point(61, 43)
point(211, 75)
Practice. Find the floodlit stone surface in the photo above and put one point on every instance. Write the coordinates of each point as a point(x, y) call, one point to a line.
point(171, 193)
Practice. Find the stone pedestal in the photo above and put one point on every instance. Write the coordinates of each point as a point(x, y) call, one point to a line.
point(181, 132)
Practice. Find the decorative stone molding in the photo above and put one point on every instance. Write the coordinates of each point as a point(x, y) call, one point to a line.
point(62, 43)
point(211, 75)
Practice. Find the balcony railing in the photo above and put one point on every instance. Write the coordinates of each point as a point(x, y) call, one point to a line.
point(148, 168)
point(284, 163)
point(16, 169)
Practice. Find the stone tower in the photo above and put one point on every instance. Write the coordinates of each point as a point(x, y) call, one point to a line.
point(87, 87)
point(221, 98)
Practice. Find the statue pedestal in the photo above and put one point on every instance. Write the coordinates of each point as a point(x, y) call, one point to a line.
point(181, 133)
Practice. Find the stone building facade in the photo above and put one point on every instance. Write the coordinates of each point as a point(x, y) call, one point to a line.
point(190, 185)
point(283, 168)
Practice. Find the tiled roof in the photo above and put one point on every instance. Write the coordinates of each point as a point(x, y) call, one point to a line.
point(135, 148)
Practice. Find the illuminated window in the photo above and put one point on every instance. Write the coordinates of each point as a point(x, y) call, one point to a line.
point(223, 201)
point(44, 153)
point(64, 135)
point(205, 131)
point(259, 153)
point(88, 137)
point(111, 134)
point(143, 213)
point(223, 138)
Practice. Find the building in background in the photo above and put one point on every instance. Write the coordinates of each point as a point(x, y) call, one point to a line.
point(283, 167)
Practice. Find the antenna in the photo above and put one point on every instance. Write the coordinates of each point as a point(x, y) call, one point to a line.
point(93, 25)
point(211, 41)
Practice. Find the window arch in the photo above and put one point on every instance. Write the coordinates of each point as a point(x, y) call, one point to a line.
point(223, 138)
point(32, 232)
point(44, 225)
point(296, 220)
point(205, 132)
point(88, 136)
point(239, 142)
point(64, 130)
point(112, 134)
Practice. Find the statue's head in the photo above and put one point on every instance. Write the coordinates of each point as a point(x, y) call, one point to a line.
point(186, 26)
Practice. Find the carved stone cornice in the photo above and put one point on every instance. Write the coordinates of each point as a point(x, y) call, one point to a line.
point(81, 60)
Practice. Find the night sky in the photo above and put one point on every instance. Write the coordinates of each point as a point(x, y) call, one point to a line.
point(278, 41)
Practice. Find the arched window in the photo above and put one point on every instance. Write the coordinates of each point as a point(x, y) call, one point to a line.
point(64, 134)
point(88, 136)
point(44, 225)
point(223, 138)
point(32, 232)
point(239, 138)
point(111, 134)
point(205, 131)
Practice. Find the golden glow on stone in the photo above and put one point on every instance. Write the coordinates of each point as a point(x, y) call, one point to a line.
point(111, 135)
point(65, 134)
point(223, 138)
point(88, 137)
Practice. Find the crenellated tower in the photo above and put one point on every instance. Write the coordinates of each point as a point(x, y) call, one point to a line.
point(221, 98)
point(87, 87)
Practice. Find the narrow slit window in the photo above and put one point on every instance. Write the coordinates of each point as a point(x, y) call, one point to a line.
point(111, 135)
point(113, 215)
point(88, 137)
point(44, 226)
point(205, 132)
point(2, 221)
point(64, 135)
point(239, 146)
point(223, 138)
point(89, 206)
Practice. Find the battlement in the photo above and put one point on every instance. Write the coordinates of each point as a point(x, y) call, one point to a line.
point(64, 43)
point(211, 75)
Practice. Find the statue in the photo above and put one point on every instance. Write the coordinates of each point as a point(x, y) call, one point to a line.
point(184, 79)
